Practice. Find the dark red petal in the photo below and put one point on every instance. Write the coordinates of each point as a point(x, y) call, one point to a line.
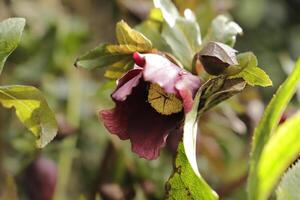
point(126, 83)
point(40, 178)
point(187, 87)
point(135, 119)
point(115, 122)
point(138, 59)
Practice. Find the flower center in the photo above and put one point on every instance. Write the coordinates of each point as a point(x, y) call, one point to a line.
point(162, 102)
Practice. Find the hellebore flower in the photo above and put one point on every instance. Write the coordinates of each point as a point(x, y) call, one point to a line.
point(150, 101)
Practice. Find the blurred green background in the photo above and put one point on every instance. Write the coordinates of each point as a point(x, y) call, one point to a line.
point(90, 162)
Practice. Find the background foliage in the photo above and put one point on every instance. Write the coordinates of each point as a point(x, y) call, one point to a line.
point(88, 159)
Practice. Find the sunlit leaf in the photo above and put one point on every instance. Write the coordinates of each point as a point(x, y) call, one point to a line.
point(223, 30)
point(32, 110)
point(255, 76)
point(249, 71)
point(168, 10)
point(128, 36)
point(266, 126)
point(181, 33)
point(186, 181)
point(289, 185)
point(151, 28)
point(10, 34)
point(279, 152)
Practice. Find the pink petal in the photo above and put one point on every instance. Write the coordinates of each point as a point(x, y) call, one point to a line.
point(126, 84)
point(160, 70)
point(187, 87)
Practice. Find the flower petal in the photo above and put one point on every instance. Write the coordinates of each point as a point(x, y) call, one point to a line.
point(134, 118)
point(126, 83)
point(161, 71)
point(187, 87)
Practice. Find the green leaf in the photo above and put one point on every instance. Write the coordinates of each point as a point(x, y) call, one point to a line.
point(32, 110)
point(255, 76)
point(179, 39)
point(181, 33)
point(248, 70)
point(186, 181)
point(118, 58)
point(111, 56)
point(151, 28)
point(280, 151)
point(128, 36)
point(10, 34)
point(217, 90)
point(288, 188)
point(223, 30)
point(168, 10)
point(266, 126)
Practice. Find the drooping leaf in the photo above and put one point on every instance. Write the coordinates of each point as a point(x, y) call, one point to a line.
point(266, 126)
point(32, 110)
point(128, 36)
point(288, 188)
point(216, 57)
point(186, 181)
point(223, 30)
point(10, 34)
point(249, 71)
point(219, 89)
point(279, 152)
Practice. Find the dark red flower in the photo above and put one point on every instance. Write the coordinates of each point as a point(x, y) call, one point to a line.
point(151, 100)
point(40, 178)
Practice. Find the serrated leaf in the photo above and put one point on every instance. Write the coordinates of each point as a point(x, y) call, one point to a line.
point(279, 152)
point(288, 188)
point(128, 36)
point(186, 181)
point(10, 34)
point(248, 70)
point(32, 110)
point(266, 126)
point(223, 30)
